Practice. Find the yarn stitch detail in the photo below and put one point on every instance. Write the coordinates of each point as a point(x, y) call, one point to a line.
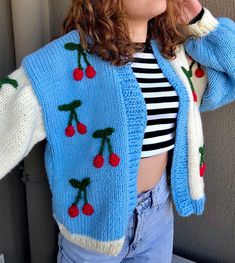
point(78, 72)
point(7, 80)
point(114, 159)
point(202, 162)
point(189, 75)
point(69, 130)
point(87, 209)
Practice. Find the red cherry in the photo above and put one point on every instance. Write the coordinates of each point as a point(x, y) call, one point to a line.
point(194, 96)
point(199, 73)
point(69, 131)
point(88, 209)
point(81, 128)
point(114, 159)
point(73, 211)
point(78, 74)
point(190, 57)
point(202, 169)
point(98, 161)
point(90, 72)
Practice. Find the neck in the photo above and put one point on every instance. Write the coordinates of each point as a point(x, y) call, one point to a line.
point(138, 30)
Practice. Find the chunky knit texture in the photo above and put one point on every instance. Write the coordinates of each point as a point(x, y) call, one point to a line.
point(110, 106)
point(21, 123)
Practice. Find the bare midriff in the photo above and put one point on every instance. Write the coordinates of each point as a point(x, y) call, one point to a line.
point(151, 170)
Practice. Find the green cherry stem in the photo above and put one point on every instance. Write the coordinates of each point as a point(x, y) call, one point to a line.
point(85, 58)
point(75, 115)
point(81, 52)
point(79, 60)
point(102, 146)
point(188, 75)
point(191, 66)
point(202, 151)
point(109, 146)
point(71, 117)
point(78, 197)
point(85, 197)
point(201, 160)
point(191, 83)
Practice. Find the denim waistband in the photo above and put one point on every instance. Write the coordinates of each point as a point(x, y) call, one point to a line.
point(156, 196)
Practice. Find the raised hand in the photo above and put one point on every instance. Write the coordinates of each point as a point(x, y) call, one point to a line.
point(191, 9)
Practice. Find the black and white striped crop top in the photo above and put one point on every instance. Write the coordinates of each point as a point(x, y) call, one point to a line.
point(161, 102)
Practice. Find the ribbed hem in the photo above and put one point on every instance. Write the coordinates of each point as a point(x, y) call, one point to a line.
point(199, 205)
point(196, 207)
point(112, 248)
point(205, 25)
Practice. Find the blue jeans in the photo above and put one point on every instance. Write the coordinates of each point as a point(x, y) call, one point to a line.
point(149, 235)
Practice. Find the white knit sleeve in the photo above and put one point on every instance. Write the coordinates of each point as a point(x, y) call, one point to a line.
point(21, 122)
point(205, 25)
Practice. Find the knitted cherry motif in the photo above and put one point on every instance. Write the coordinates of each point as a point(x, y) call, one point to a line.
point(78, 72)
point(114, 159)
point(87, 209)
point(7, 80)
point(81, 128)
point(202, 162)
point(189, 75)
point(69, 131)
point(98, 160)
point(199, 72)
point(73, 211)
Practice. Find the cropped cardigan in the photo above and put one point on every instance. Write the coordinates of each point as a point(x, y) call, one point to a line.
point(93, 116)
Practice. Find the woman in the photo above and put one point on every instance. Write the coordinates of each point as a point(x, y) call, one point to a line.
point(121, 76)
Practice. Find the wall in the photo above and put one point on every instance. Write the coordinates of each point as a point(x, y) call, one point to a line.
point(13, 217)
point(27, 230)
point(7, 56)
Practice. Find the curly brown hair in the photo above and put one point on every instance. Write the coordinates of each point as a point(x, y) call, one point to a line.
point(104, 22)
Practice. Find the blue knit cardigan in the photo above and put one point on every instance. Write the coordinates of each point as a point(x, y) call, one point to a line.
point(95, 126)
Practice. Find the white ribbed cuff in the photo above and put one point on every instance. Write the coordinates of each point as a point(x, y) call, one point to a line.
point(205, 25)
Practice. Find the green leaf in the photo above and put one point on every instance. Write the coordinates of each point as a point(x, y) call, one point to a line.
point(7, 80)
point(188, 73)
point(86, 181)
point(68, 107)
point(65, 107)
point(75, 183)
point(71, 46)
point(202, 149)
point(103, 133)
point(76, 104)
